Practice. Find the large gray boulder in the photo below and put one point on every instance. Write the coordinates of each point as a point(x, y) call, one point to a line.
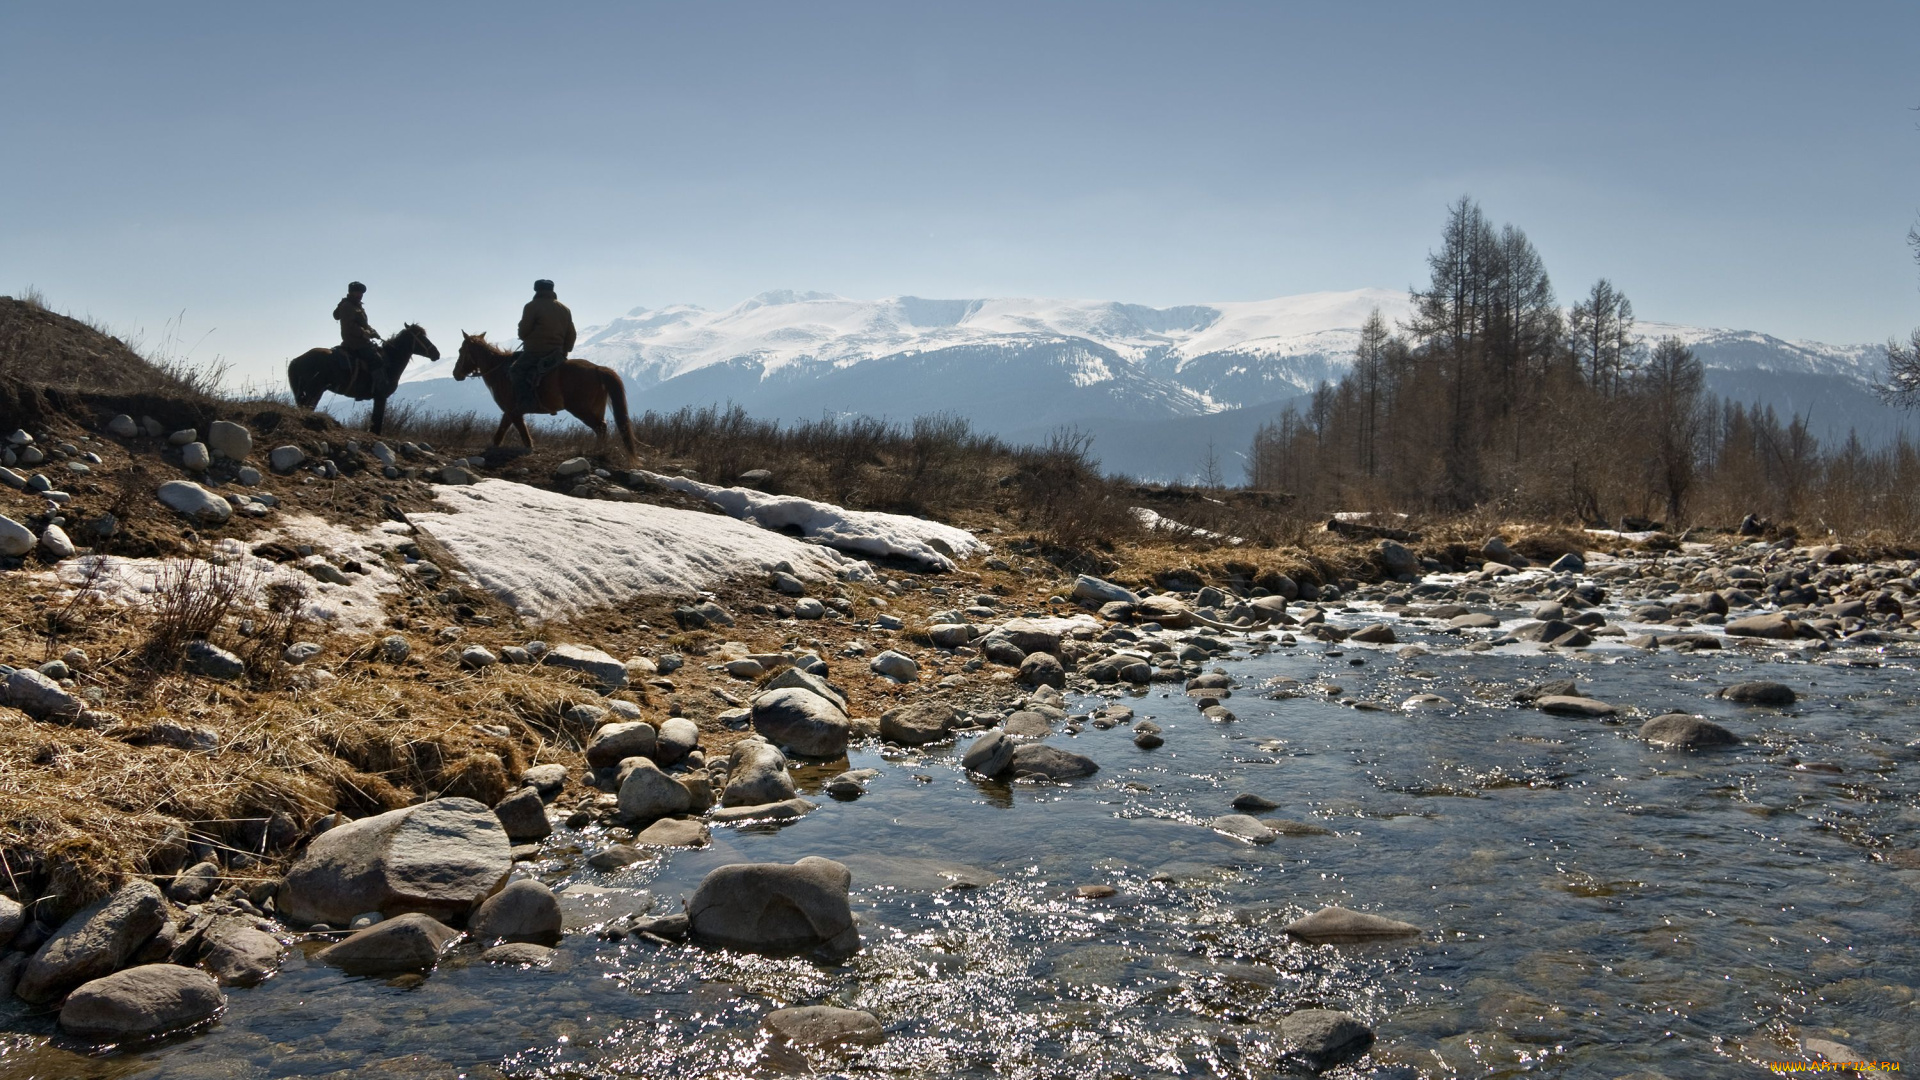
point(802, 721)
point(439, 858)
point(609, 673)
point(525, 910)
point(15, 539)
point(757, 775)
point(772, 907)
point(647, 794)
point(411, 942)
point(96, 941)
point(13, 919)
point(918, 724)
point(1039, 761)
point(141, 1002)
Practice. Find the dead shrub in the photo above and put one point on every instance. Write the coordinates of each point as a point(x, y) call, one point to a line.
point(191, 598)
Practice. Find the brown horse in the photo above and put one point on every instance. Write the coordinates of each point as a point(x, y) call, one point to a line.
point(577, 386)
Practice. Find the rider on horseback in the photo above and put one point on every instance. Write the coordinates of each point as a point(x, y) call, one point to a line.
point(546, 336)
point(357, 339)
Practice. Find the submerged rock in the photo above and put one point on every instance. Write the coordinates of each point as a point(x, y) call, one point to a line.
point(1679, 731)
point(1320, 1038)
point(1042, 762)
point(825, 1025)
point(773, 907)
point(1760, 693)
point(1341, 925)
point(1568, 705)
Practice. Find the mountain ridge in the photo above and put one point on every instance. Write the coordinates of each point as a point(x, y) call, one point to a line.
point(1014, 366)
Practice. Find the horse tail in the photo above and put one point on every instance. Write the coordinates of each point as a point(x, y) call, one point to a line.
point(617, 394)
point(307, 379)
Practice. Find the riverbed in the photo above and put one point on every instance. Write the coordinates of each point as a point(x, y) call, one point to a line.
point(1591, 906)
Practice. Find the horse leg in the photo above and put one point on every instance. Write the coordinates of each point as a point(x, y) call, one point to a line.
point(520, 421)
point(500, 433)
point(379, 412)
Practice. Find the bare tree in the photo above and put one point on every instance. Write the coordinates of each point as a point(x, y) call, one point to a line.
point(1670, 407)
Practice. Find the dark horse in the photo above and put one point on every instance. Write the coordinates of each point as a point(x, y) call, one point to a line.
point(317, 371)
point(576, 386)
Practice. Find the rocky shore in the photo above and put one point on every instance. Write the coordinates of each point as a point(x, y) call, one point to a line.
point(658, 720)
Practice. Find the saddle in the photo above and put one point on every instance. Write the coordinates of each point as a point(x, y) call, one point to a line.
point(352, 373)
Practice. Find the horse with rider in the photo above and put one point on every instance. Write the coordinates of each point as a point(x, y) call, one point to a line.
point(538, 378)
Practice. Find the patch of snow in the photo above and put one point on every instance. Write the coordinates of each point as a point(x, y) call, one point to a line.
point(866, 532)
point(549, 556)
point(356, 606)
point(1153, 522)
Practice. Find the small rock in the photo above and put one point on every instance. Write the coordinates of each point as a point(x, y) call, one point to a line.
point(1323, 1037)
point(609, 673)
point(1760, 693)
point(395, 649)
point(39, 697)
point(477, 657)
point(647, 794)
point(55, 543)
point(802, 721)
point(1338, 924)
point(825, 1025)
point(1253, 804)
point(523, 815)
point(194, 884)
point(1042, 762)
point(548, 780)
point(521, 953)
point(525, 910)
point(1042, 669)
point(411, 942)
point(677, 738)
point(123, 427)
point(183, 437)
point(989, 755)
point(15, 539)
point(757, 775)
point(141, 1002)
point(239, 953)
point(918, 724)
point(285, 459)
point(1569, 705)
point(212, 661)
point(1377, 634)
point(896, 666)
point(188, 498)
point(300, 652)
point(195, 457)
point(1678, 731)
point(1242, 827)
point(573, 466)
point(229, 440)
point(615, 742)
point(673, 832)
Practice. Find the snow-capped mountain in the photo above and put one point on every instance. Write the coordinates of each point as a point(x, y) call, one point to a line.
point(1155, 385)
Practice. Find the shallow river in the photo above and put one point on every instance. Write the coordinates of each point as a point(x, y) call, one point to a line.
point(1593, 907)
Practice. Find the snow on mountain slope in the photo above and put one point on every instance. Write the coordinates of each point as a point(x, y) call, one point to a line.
point(1015, 366)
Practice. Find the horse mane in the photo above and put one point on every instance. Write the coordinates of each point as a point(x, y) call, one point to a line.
point(481, 339)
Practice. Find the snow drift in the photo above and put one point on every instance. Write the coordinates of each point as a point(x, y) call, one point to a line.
point(926, 543)
point(549, 556)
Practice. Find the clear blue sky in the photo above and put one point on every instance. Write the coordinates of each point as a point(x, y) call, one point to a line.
point(1738, 164)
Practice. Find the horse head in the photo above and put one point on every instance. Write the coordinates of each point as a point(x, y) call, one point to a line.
point(415, 338)
point(474, 354)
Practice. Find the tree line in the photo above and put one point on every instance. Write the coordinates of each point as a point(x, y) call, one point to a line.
point(1489, 397)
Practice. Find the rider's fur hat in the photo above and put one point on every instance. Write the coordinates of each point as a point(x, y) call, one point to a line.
point(543, 285)
point(354, 286)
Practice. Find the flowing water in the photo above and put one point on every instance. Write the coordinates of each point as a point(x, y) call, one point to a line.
point(1592, 907)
